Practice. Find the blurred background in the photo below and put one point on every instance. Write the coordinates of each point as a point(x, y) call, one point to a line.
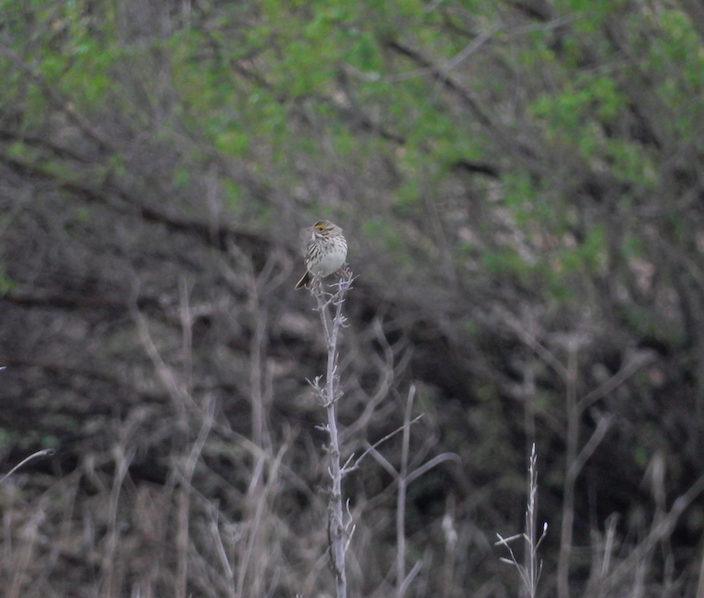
point(521, 185)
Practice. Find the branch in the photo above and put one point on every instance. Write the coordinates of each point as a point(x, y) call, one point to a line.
point(339, 532)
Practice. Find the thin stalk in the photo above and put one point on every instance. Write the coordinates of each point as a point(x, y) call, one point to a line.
point(563, 565)
point(401, 498)
point(329, 395)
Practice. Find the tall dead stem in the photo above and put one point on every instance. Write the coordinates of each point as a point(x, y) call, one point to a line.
point(329, 306)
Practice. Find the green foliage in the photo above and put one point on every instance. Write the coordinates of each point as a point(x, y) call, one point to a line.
point(588, 257)
point(503, 263)
point(677, 62)
point(232, 194)
point(578, 112)
point(6, 283)
point(77, 57)
point(82, 214)
point(262, 82)
point(390, 241)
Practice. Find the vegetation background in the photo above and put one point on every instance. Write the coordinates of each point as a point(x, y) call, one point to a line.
point(522, 186)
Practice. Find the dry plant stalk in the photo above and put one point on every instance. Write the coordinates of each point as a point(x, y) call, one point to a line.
point(329, 306)
point(38, 455)
point(403, 478)
point(529, 572)
point(576, 455)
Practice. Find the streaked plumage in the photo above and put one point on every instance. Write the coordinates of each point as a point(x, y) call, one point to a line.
point(326, 252)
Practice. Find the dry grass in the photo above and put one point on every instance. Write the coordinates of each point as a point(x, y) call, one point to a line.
point(239, 516)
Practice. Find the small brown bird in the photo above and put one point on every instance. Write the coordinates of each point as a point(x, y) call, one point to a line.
point(326, 252)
